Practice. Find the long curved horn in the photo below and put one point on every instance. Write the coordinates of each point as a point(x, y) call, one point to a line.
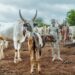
point(34, 16)
point(21, 16)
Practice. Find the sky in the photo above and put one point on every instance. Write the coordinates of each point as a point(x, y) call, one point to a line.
point(47, 9)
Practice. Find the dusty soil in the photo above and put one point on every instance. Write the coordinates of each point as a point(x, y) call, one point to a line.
point(67, 67)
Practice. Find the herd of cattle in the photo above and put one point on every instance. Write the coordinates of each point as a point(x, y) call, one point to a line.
point(36, 39)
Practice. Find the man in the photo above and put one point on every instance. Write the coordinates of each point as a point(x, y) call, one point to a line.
point(54, 31)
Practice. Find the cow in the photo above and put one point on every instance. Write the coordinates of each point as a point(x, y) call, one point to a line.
point(16, 33)
point(3, 45)
point(34, 43)
point(66, 34)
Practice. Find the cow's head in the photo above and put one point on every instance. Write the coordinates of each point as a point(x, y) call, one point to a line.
point(28, 25)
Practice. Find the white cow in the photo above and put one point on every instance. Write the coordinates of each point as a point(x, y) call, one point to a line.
point(15, 33)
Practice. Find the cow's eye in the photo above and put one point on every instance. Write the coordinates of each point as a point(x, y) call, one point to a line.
point(24, 25)
point(28, 24)
point(35, 24)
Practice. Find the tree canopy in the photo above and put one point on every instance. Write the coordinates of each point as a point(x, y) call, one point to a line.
point(71, 17)
point(39, 22)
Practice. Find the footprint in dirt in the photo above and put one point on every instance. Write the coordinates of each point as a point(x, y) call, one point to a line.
point(67, 62)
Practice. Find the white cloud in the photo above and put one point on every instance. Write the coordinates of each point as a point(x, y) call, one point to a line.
point(64, 7)
point(47, 9)
point(7, 8)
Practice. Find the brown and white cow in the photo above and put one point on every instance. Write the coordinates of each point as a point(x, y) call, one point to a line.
point(34, 43)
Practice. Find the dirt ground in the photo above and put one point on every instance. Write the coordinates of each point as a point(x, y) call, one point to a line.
point(67, 67)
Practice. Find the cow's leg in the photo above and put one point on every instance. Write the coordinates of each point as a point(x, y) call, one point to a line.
point(32, 55)
point(32, 59)
point(38, 57)
point(15, 57)
point(1, 49)
point(17, 53)
point(19, 57)
point(2, 53)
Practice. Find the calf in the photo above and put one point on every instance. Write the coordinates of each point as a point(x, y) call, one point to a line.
point(3, 45)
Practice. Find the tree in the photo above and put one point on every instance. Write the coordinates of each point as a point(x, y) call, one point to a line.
point(71, 17)
point(39, 21)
